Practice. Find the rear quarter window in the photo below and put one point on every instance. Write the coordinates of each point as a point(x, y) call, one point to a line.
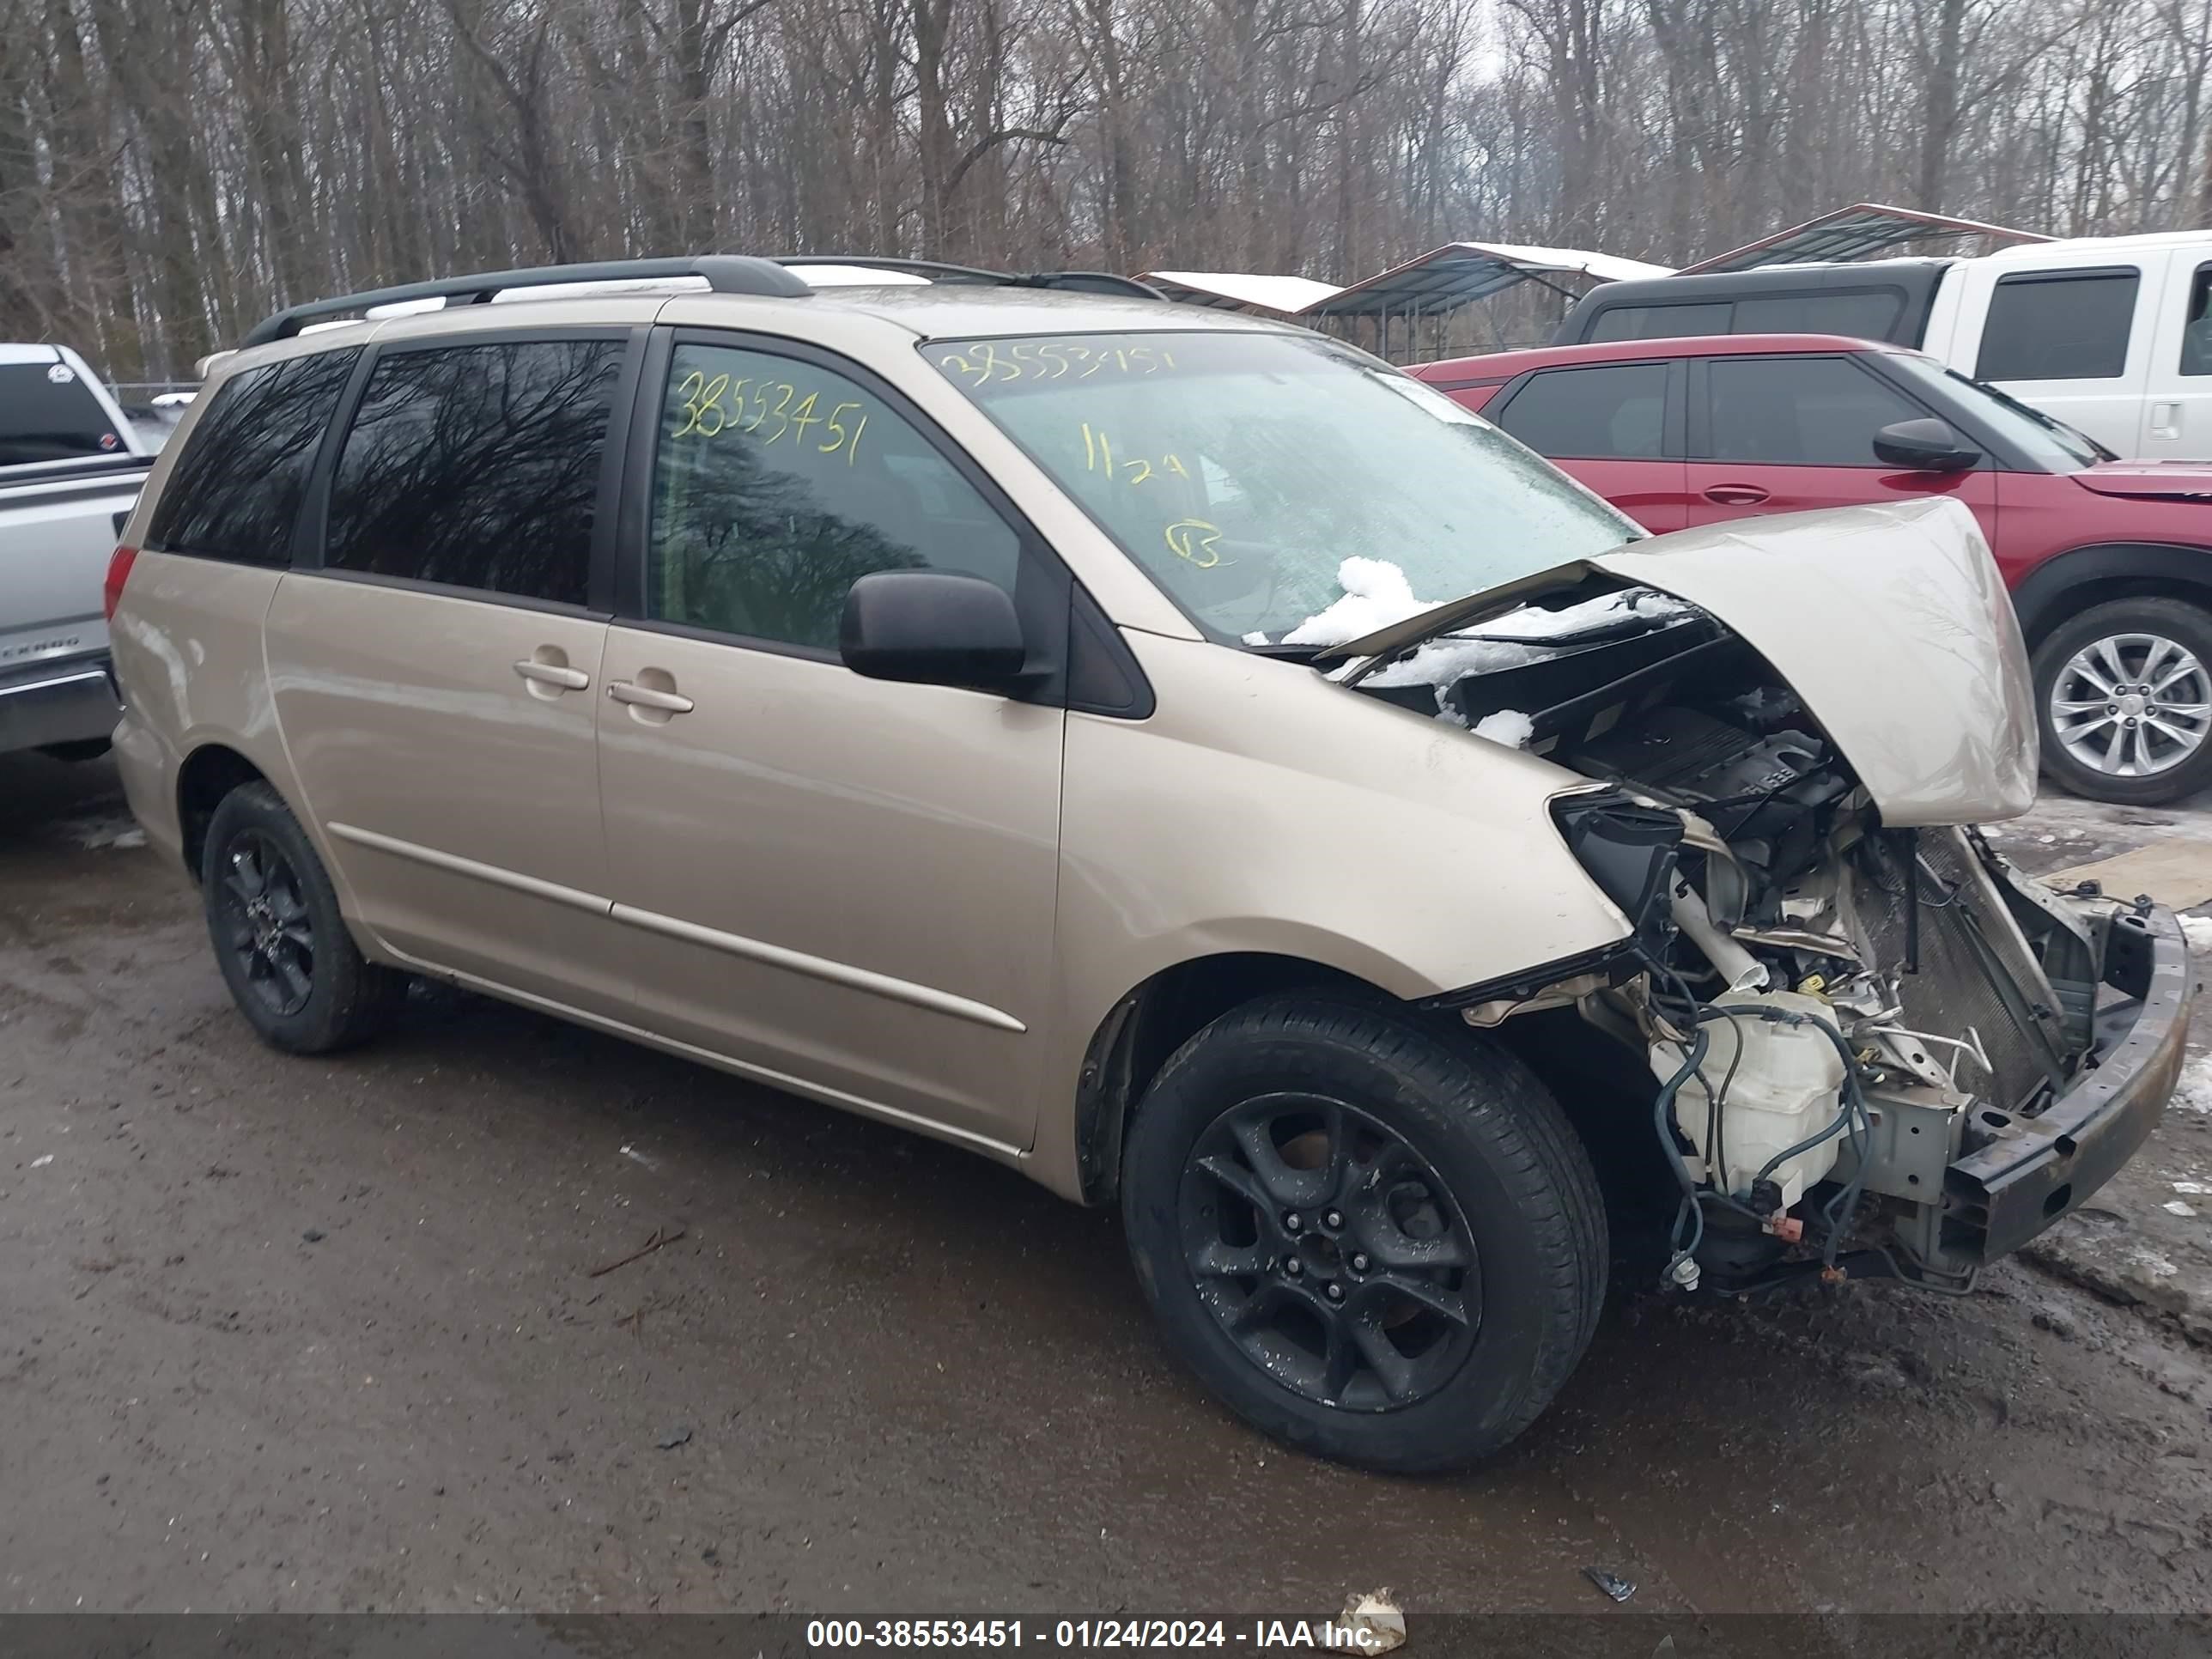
point(1662, 322)
point(235, 492)
point(48, 414)
point(1855, 313)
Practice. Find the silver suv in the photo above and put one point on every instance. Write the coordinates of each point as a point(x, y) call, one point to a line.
point(1175, 755)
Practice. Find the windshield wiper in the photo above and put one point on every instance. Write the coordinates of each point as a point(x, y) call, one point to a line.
point(1623, 627)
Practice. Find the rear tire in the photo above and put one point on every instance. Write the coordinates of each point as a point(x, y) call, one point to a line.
point(285, 950)
point(2168, 643)
point(1449, 1238)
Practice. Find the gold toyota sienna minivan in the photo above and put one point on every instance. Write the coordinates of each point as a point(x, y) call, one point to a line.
point(1172, 753)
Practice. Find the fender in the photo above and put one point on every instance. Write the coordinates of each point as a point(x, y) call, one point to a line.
point(2039, 598)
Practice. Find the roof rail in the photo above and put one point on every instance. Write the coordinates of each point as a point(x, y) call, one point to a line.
point(1078, 282)
point(725, 273)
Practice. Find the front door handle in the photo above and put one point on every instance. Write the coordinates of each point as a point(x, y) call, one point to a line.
point(553, 674)
point(646, 697)
point(2166, 420)
point(1736, 495)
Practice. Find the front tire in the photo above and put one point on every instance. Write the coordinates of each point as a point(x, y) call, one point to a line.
point(2124, 696)
point(292, 967)
point(1375, 1243)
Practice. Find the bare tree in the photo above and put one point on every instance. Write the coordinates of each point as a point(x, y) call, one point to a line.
point(170, 169)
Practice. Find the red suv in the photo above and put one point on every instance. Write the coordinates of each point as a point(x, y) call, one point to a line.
point(2110, 561)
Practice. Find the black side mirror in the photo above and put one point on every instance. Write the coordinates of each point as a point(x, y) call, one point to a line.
point(1926, 445)
point(931, 628)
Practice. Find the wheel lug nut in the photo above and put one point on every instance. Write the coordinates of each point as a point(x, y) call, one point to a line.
point(1293, 1266)
point(1336, 1293)
point(1359, 1264)
point(1332, 1219)
point(2131, 720)
point(1293, 1222)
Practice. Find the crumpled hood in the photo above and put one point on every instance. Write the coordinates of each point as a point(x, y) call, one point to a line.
point(2185, 480)
point(1893, 625)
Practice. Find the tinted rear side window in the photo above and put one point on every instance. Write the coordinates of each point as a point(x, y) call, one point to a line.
point(477, 466)
point(2069, 327)
point(1661, 322)
point(235, 492)
point(1614, 413)
point(47, 415)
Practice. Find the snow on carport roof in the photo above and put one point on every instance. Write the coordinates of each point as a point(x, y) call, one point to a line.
point(1459, 273)
point(1852, 232)
point(1228, 289)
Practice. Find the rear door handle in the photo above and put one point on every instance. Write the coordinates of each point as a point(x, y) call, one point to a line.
point(553, 673)
point(645, 696)
point(1736, 495)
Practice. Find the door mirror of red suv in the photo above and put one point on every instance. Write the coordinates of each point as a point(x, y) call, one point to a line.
point(1926, 445)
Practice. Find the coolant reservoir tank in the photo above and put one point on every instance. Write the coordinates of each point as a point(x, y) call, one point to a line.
point(1786, 1086)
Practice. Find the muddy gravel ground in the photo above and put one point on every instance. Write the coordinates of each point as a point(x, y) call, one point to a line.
point(313, 1335)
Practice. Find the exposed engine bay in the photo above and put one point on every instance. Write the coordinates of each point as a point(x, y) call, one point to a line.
point(1834, 1013)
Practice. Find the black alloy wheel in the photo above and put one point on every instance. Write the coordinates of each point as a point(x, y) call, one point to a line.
point(280, 938)
point(1369, 1234)
point(265, 923)
point(1330, 1252)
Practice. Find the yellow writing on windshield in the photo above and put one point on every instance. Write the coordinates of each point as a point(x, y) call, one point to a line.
point(992, 362)
point(794, 409)
point(1196, 540)
point(1098, 457)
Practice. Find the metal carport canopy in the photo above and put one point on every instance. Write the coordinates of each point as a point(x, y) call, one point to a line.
point(1459, 273)
point(1852, 232)
point(1240, 290)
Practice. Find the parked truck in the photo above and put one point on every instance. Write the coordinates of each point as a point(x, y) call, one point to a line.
point(70, 467)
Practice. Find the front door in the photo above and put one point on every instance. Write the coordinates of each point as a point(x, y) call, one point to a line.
point(2176, 421)
point(436, 678)
point(1787, 434)
point(839, 882)
point(2072, 338)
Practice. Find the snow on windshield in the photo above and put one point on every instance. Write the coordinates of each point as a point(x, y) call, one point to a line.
point(1377, 594)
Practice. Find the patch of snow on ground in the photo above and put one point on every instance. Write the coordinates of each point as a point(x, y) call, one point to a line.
point(2197, 930)
point(2152, 1262)
point(2193, 1088)
point(1507, 725)
point(95, 835)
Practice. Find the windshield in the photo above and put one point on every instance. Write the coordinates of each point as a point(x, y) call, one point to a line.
point(1248, 473)
point(2050, 444)
point(47, 414)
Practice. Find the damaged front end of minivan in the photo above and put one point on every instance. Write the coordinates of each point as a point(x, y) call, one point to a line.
point(1875, 1047)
